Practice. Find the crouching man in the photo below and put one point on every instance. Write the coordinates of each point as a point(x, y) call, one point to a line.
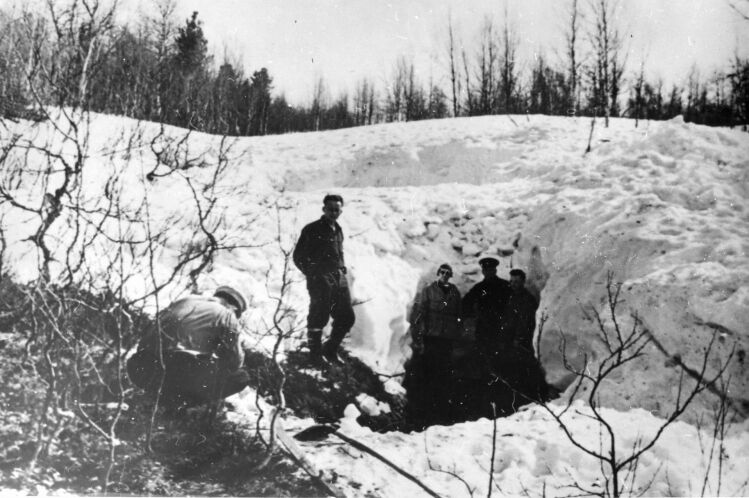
point(198, 351)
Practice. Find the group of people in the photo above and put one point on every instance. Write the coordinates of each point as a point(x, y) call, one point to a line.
point(497, 319)
point(193, 353)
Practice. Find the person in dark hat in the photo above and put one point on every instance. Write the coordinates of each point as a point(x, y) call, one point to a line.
point(485, 302)
point(199, 348)
point(436, 324)
point(319, 256)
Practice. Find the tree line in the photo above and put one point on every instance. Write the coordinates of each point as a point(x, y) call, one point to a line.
point(161, 70)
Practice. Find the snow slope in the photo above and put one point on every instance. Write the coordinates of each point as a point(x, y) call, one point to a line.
point(665, 207)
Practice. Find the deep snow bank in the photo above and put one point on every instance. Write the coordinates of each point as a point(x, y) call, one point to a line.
point(664, 206)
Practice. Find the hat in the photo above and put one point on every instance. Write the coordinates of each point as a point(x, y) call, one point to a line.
point(233, 295)
point(489, 262)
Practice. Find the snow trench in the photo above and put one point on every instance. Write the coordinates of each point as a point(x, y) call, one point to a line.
point(663, 207)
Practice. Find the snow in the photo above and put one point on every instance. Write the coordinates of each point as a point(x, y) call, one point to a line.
point(533, 456)
point(665, 206)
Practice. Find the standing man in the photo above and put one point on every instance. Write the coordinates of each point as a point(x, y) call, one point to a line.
point(436, 324)
point(197, 352)
point(485, 301)
point(518, 319)
point(519, 366)
point(319, 255)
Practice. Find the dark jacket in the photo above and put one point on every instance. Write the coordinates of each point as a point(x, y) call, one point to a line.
point(437, 312)
point(320, 248)
point(201, 325)
point(485, 301)
point(518, 320)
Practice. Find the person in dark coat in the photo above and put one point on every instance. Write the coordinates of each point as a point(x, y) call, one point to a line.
point(436, 325)
point(518, 318)
point(319, 256)
point(199, 348)
point(518, 365)
point(485, 301)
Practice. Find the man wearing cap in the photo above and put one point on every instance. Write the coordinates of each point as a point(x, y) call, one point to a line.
point(436, 325)
point(199, 349)
point(319, 255)
point(485, 301)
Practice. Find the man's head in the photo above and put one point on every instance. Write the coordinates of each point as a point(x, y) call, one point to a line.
point(232, 299)
point(489, 266)
point(444, 272)
point(517, 279)
point(332, 206)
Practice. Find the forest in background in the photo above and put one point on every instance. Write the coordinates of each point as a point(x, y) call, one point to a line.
point(160, 69)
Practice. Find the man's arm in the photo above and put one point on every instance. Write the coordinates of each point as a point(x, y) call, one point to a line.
point(343, 259)
point(468, 304)
point(301, 252)
point(230, 352)
point(419, 318)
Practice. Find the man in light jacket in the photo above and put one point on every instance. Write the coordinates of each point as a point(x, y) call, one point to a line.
point(436, 325)
point(197, 352)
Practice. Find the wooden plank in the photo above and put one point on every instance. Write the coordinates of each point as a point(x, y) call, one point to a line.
point(298, 455)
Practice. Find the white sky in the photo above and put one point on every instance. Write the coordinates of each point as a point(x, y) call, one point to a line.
point(346, 40)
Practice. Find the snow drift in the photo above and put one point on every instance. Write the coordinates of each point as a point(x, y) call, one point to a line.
point(662, 206)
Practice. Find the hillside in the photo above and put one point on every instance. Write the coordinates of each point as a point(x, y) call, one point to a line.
point(663, 207)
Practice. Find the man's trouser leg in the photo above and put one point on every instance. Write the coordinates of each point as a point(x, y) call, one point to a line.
point(314, 341)
point(320, 291)
point(342, 312)
point(199, 379)
point(438, 366)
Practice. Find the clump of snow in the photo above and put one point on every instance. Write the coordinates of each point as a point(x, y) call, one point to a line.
point(370, 406)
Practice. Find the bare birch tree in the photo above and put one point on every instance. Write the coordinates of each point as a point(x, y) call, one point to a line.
point(509, 80)
point(609, 61)
point(574, 60)
point(454, 76)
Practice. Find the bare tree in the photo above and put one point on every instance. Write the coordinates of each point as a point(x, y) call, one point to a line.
point(364, 102)
point(454, 77)
point(623, 344)
point(638, 93)
point(609, 62)
point(508, 75)
point(89, 245)
point(487, 67)
point(319, 102)
point(284, 325)
point(574, 61)
point(397, 89)
point(470, 103)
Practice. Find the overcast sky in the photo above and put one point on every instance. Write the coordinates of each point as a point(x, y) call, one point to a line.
point(346, 40)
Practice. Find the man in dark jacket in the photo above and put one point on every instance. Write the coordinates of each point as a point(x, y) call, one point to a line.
point(319, 255)
point(485, 301)
point(518, 318)
point(436, 325)
point(518, 366)
point(199, 348)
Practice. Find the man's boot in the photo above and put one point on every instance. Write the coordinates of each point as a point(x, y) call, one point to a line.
point(330, 348)
point(314, 343)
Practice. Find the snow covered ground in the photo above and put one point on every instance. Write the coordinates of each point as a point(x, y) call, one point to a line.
point(664, 206)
